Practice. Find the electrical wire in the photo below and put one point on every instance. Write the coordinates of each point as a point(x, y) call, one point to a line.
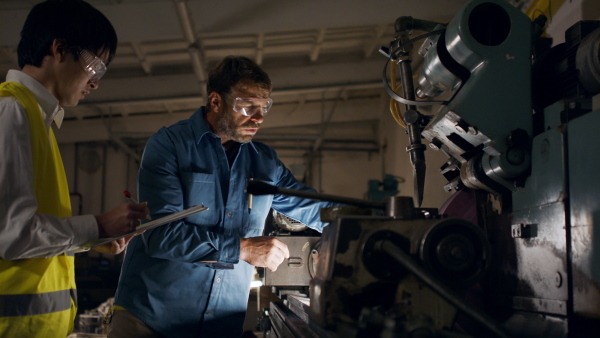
point(391, 91)
point(394, 106)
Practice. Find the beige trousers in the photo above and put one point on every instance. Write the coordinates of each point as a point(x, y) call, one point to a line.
point(123, 324)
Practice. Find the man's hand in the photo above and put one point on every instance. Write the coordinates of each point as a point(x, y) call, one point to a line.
point(264, 251)
point(116, 247)
point(122, 219)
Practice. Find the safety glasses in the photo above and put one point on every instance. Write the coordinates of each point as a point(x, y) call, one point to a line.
point(92, 65)
point(249, 106)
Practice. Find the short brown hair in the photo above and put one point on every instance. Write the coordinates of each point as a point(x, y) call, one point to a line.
point(233, 70)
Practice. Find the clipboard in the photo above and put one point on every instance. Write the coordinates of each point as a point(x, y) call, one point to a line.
point(146, 226)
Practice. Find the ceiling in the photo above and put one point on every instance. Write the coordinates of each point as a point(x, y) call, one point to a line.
point(322, 57)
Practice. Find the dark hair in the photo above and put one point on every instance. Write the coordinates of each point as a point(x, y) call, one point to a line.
point(73, 22)
point(233, 70)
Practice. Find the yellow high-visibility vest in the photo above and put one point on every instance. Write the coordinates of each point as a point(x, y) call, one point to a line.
point(37, 295)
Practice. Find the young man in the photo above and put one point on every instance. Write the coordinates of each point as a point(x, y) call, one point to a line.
point(191, 278)
point(64, 48)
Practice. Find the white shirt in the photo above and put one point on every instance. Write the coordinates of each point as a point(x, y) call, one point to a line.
point(23, 232)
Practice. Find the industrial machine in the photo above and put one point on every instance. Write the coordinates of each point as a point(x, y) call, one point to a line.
point(516, 251)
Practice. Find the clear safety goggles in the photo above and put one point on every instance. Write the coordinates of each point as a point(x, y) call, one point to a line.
point(93, 65)
point(249, 106)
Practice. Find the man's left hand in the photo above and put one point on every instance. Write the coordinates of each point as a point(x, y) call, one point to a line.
point(115, 247)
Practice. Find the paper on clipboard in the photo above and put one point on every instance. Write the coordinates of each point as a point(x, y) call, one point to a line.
point(147, 226)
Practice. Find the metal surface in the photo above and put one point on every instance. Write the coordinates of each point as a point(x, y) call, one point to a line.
point(492, 40)
point(353, 274)
point(526, 268)
point(532, 190)
point(588, 61)
point(584, 194)
point(446, 293)
point(286, 324)
point(298, 269)
point(545, 186)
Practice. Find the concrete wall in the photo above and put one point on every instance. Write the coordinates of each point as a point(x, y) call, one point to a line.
point(98, 173)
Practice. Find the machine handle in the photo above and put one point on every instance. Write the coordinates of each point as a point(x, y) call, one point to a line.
point(258, 188)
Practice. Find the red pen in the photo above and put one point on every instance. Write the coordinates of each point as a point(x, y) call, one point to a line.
point(132, 200)
point(129, 196)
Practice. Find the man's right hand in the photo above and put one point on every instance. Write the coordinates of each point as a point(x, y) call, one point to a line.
point(122, 219)
point(264, 251)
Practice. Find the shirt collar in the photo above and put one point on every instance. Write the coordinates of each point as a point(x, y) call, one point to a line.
point(201, 127)
point(51, 109)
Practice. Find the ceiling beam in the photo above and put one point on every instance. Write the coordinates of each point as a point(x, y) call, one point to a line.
point(139, 53)
point(260, 42)
point(196, 101)
point(316, 49)
point(194, 48)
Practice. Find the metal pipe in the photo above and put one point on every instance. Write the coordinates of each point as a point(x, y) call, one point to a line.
point(401, 257)
point(276, 93)
point(407, 82)
point(412, 117)
point(408, 23)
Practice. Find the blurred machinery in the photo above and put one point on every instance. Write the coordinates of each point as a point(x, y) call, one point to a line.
point(379, 190)
point(520, 254)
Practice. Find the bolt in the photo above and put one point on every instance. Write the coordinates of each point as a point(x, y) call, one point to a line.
point(515, 156)
point(558, 279)
point(435, 144)
point(457, 252)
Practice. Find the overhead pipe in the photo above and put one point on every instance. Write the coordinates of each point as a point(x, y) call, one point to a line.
point(194, 48)
point(276, 93)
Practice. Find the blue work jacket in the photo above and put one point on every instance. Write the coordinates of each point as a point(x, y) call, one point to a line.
point(165, 280)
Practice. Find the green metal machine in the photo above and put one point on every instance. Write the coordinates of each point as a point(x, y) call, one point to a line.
point(515, 252)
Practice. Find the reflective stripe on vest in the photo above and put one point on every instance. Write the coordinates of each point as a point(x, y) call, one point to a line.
point(37, 295)
point(35, 304)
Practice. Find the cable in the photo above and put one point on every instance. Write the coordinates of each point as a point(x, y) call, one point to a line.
point(394, 106)
point(391, 92)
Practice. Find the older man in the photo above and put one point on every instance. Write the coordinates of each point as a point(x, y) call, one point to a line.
point(191, 278)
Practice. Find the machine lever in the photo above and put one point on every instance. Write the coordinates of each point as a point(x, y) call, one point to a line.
point(258, 188)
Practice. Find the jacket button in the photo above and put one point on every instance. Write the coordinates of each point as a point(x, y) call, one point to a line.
point(230, 214)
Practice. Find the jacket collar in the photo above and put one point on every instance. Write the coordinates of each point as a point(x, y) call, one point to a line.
point(51, 110)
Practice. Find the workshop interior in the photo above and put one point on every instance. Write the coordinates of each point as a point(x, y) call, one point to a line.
point(454, 132)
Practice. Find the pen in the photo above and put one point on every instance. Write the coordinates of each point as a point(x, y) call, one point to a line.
point(132, 200)
point(250, 200)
